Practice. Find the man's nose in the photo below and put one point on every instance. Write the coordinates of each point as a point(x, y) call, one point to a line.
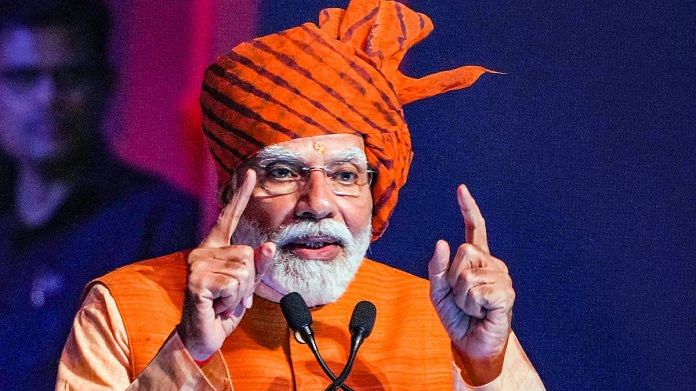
point(316, 199)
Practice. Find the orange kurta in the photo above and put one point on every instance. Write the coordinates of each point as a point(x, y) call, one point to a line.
point(407, 347)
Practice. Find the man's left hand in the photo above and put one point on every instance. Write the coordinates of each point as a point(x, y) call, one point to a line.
point(473, 296)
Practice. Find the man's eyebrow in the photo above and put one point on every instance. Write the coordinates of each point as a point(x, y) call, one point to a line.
point(271, 154)
point(353, 154)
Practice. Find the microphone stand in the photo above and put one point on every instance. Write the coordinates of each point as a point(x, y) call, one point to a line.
point(299, 319)
point(354, 346)
point(361, 323)
point(308, 337)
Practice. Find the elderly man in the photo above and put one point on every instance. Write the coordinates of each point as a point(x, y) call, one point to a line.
point(311, 147)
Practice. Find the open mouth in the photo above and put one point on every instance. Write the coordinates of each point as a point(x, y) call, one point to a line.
point(318, 247)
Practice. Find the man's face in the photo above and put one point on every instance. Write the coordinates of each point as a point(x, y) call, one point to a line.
point(51, 94)
point(321, 236)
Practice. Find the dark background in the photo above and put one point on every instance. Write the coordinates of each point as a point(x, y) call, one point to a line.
point(581, 159)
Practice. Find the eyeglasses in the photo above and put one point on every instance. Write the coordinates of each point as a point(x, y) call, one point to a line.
point(345, 178)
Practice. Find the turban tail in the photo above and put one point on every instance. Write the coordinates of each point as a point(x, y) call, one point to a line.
point(341, 76)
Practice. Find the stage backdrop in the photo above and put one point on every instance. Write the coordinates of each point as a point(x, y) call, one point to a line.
point(581, 158)
point(161, 49)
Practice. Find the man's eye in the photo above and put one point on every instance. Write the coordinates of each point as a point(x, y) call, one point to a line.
point(281, 173)
point(346, 177)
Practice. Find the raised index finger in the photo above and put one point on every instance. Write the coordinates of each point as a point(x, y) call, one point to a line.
point(228, 219)
point(475, 224)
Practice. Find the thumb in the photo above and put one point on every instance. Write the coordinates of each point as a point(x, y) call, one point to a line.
point(437, 271)
point(263, 256)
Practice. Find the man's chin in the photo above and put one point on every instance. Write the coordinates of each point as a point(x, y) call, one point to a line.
point(318, 281)
point(272, 291)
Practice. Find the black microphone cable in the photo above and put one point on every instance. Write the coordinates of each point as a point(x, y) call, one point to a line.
point(298, 317)
point(361, 323)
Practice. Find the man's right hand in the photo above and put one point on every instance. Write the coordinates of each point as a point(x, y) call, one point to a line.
point(221, 279)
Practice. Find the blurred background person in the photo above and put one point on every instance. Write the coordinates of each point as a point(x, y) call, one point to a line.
point(69, 210)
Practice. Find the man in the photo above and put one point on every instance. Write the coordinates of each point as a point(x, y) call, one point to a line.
point(311, 149)
point(70, 211)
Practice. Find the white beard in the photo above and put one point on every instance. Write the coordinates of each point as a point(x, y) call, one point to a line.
point(317, 281)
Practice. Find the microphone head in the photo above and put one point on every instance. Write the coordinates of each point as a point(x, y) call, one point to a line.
point(363, 318)
point(295, 311)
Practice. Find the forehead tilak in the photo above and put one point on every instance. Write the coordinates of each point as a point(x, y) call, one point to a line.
point(318, 146)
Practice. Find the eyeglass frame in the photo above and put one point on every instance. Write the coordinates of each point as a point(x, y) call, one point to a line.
point(305, 171)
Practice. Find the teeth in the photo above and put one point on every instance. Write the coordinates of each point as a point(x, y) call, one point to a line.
point(315, 244)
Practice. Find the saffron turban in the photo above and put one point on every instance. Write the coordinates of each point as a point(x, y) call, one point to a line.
point(341, 76)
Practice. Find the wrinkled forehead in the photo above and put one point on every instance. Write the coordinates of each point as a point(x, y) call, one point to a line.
point(317, 150)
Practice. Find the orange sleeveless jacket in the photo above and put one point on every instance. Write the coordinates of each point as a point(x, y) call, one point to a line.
point(408, 348)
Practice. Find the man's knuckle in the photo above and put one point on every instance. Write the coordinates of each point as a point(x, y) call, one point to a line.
point(470, 251)
point(194, 256)
point(243, 275)
point(248, 252)
point(197, 279)
point(471, 274)
point(242, 252)
point(197, 267)
point(232, 283)
point(461, 250)
point(217, 281)
point(477, 294)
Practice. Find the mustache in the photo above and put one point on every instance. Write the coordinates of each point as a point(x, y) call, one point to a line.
point(328, 230)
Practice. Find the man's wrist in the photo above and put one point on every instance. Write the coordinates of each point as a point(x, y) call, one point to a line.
point(478, 371)
point(199, 358)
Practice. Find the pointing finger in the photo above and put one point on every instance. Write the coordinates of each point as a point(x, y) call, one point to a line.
point(475, 224)
point(228, 219)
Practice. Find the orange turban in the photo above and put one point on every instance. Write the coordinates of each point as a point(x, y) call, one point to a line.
point(339, 77)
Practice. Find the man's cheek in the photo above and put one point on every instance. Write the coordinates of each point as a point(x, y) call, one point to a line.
point(267, 212)
point(358, 215)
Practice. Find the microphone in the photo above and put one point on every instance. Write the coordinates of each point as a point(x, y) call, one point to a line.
point(361, 323)
point(299, 319)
